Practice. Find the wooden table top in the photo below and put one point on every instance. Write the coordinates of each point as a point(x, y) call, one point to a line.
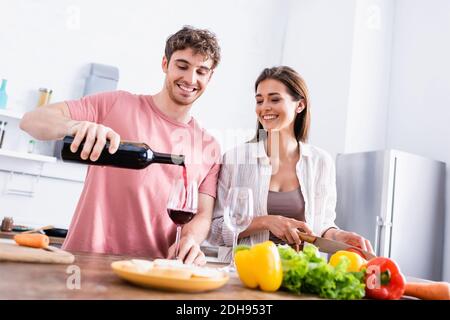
point(48, 281)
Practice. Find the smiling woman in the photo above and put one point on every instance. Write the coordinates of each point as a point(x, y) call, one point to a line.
point(293, 182)
point(284, 94)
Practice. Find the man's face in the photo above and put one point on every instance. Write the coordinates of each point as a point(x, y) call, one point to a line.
point(187, 75)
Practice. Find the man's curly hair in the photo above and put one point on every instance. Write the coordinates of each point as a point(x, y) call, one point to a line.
point(201, 41)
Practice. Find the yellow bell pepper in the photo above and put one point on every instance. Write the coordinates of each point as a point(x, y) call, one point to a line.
point(356, 261)
point(260, 266)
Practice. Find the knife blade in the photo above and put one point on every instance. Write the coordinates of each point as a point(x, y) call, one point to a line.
point(332, 246)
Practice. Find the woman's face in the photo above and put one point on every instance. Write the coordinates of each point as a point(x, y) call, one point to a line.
point(275, 107)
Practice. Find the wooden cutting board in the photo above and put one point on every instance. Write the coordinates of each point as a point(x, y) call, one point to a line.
point(14, 252)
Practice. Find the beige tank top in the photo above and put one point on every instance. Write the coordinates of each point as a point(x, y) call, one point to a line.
point(289, 204)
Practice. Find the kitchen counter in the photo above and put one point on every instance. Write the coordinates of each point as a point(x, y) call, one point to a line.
point(20, 280)
point(48, 281)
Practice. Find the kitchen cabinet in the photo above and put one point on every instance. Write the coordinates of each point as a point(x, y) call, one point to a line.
point(53, 201)
point(35, 188)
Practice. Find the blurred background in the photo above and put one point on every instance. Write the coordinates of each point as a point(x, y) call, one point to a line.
point(378, 73)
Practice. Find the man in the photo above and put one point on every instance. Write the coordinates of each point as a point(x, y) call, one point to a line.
point(123, 211)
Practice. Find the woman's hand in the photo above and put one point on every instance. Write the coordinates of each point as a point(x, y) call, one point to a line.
point(286, 228)
point(353, 239)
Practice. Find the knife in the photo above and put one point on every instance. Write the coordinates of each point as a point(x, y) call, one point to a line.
point(331, 246)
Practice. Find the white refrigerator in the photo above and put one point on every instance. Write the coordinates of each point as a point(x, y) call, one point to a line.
point(397, 201)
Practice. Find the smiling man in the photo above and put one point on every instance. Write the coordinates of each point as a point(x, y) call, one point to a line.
point(123, 211)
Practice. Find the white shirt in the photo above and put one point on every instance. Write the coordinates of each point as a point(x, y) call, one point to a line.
point(249, 166)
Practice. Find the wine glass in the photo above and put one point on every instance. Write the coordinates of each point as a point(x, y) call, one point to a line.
point(182, 206)
point(238, 214)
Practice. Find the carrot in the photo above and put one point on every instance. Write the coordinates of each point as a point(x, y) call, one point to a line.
point(428, 291)
point(35, 240)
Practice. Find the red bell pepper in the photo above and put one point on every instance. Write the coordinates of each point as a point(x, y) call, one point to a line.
point(384, 280)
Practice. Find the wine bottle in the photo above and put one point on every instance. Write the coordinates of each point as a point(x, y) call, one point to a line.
point(130, 155)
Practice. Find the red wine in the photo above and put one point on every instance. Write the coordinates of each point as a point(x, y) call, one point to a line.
point(185, 185)
point(130, 155)
point(185, 176)
point(180, 217)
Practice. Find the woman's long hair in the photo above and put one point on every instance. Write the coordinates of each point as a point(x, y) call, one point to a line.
point(297, 89)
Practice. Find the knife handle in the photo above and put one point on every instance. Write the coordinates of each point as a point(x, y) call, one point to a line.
point(306, 237)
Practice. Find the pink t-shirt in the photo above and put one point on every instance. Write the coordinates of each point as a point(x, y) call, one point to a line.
point(123, 211)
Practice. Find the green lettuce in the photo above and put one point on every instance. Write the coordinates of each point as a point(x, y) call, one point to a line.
point(307, 272)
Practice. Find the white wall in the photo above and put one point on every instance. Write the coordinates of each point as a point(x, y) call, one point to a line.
point(318, 44)
point(367, 112)
point(420, 86)
point(343, 50)
point(50, 43)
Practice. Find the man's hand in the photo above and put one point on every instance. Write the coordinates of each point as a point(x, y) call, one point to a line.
point(189, 251)
point(96, 136)
point(195, 232)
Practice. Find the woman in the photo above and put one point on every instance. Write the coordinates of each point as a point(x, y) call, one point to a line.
point(293, 182)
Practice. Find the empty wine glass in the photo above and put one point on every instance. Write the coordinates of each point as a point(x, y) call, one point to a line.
point(182, 206)
point(238, 215)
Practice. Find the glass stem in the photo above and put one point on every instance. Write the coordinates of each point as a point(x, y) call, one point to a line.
point(235, 241)
point(177, 241)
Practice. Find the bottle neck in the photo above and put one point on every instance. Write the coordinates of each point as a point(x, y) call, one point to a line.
point(166, 158)
point(3, 87)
